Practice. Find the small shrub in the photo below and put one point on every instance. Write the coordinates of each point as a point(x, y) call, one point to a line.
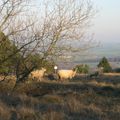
point(117, 70)
point(82, 68)
point(105, 64)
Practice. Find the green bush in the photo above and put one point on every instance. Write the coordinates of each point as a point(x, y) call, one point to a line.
point(117, 70)
point(12, 60)
point(7, 49)
point(83, 68)
point(105, 65)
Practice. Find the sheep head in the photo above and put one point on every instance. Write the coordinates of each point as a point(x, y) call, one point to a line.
point(43, 69)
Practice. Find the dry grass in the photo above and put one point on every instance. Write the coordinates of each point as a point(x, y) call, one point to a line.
point(100, 84)
point(51, 100)
point(112, 74)
point(53, 115)
point(4, 112)
point(7, 77)
point(25, 113)
point(7, 85)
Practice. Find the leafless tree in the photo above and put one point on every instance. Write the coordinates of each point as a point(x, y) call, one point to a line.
point(62, 25)
point(55, 28)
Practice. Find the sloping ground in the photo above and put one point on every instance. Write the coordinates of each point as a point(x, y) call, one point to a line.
point(51, 100)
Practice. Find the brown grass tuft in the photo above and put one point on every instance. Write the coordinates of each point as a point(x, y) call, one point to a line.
point(26, 113)
point(100, 84)
point(4, 112)
point(112, 74)
point(52, 99)
point(52, 115)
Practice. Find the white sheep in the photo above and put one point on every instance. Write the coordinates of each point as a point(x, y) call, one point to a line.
point(66, 74)
point(37, 74)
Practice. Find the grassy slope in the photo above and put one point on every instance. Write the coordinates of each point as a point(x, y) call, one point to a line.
point(80, 99)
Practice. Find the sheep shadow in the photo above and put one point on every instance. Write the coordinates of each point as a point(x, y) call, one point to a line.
point(51, 77)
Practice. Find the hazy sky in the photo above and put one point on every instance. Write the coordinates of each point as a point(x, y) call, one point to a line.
point(106, 27)
point(107, 21)
point(106, 24)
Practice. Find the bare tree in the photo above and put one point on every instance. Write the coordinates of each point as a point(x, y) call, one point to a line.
point(50, 32)
point(61, 24)
point(11, 21)
point(9, 12)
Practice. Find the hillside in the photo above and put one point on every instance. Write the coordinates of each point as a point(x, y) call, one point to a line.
point(78, 99)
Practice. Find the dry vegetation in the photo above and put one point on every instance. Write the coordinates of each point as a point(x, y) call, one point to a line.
point(112, 74)
point(79, 99)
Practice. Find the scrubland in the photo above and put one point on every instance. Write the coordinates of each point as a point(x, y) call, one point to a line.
point(81, 98)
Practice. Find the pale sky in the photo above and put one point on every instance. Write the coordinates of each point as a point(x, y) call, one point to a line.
point(107, 21)
point(106, 24)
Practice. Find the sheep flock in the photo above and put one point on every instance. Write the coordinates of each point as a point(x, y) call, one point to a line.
point(62, 74)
